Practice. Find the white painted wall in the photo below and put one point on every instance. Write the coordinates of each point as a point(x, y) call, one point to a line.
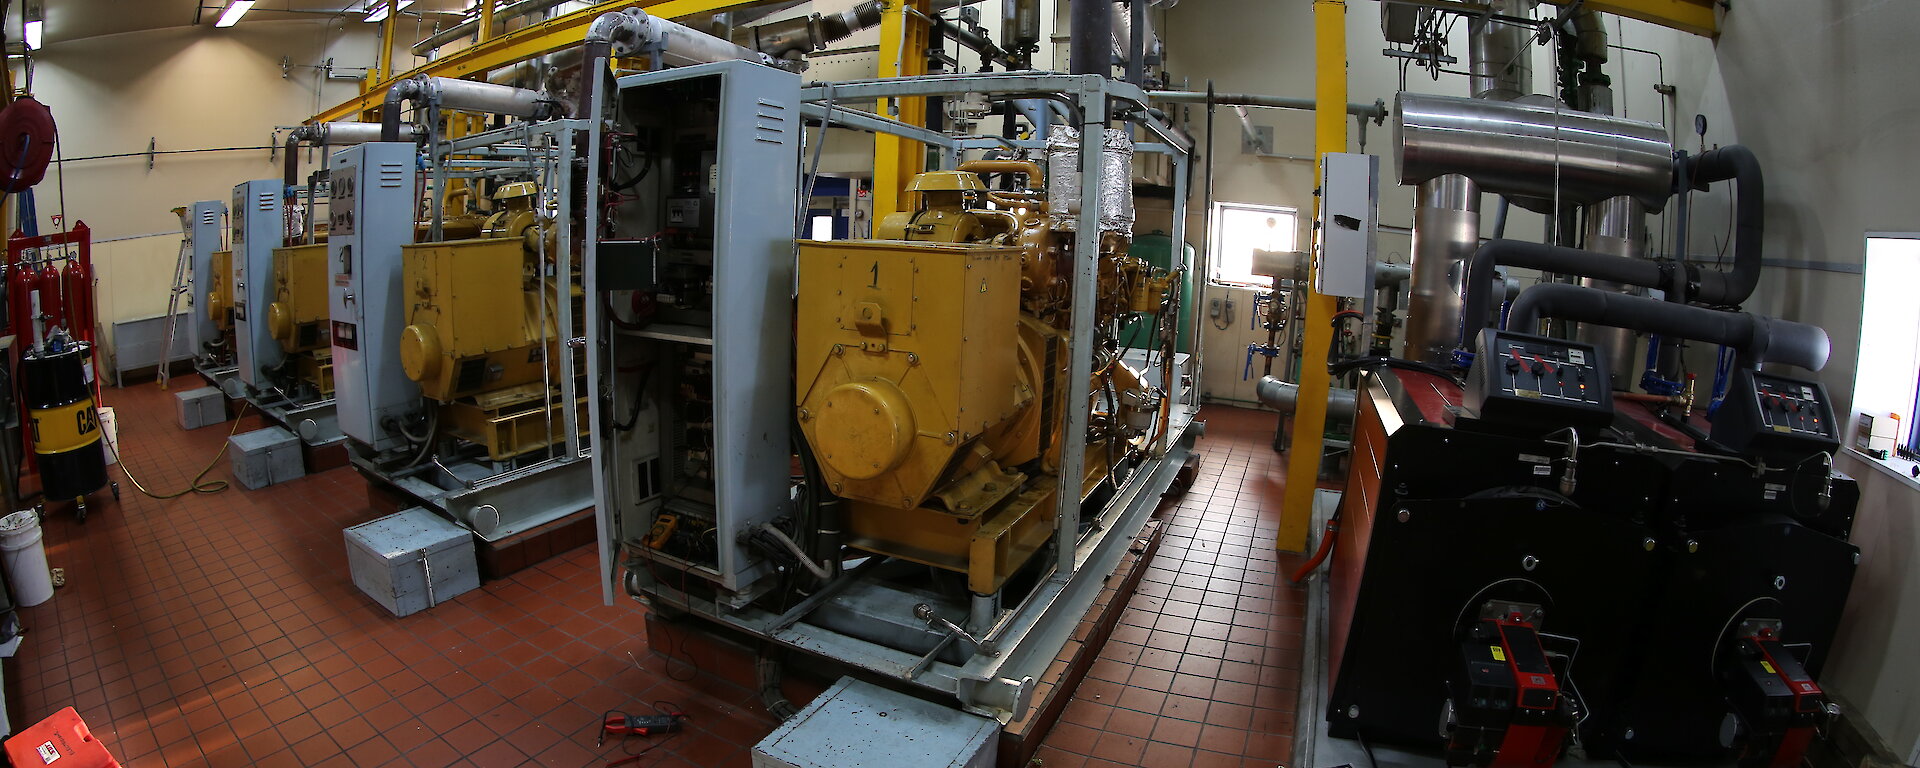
point(183, 88)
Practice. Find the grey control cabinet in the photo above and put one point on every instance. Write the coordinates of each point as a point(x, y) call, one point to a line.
point(206, 233)
point(370, 215)
point(729, 132)
point(258, 227)
point(1349, 200)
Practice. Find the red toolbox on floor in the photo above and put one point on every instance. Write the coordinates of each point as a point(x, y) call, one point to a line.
point(60, 741)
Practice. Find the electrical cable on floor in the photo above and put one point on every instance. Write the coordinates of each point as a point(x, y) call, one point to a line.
point(666, 628)
point(195, 485)
point(1364, 747)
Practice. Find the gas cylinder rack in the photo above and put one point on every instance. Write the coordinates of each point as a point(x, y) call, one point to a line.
point(51, 312)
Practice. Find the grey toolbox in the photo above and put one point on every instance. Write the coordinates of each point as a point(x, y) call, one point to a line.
point(411, 560)
point(201, 407)
point(265, 456)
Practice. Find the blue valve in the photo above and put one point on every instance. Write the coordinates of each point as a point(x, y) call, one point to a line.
point(1655, 385)
point(1263, 350)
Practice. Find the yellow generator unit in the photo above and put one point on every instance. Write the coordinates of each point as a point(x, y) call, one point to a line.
point(298, 317)
point(930, 376)
point(476, 319)
point(220, 292)
point(914, 406)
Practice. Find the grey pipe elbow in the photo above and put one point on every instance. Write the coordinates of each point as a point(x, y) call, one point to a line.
point(1785, 341)
point(1757, 339)
point(405, 90)
point(1284, 396)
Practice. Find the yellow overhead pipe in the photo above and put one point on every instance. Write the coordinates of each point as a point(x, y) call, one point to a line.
point(903, 45)
point(1310, 415)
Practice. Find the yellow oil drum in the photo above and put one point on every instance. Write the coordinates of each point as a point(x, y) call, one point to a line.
point(62, 420)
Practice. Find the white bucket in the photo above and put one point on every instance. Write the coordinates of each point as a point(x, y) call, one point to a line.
point(25, 558)
point(110, 431)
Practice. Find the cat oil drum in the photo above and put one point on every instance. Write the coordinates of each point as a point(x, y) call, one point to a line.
point(64, 426)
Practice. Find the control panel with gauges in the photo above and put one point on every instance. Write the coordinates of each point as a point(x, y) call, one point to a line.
point(1535, 382)
point(1776, 417)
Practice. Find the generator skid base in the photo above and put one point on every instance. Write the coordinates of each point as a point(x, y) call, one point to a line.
point(869, 619)
point(495, 503)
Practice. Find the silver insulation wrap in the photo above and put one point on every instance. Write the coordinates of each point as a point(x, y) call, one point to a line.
point(1116, 179)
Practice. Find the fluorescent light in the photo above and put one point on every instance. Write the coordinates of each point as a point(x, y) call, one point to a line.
point(234, 11)
point(33, 31)
point(386, 9)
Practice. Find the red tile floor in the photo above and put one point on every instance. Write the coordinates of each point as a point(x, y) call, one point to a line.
point(222, 629)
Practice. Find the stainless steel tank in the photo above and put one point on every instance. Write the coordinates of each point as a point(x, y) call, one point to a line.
point(1528, 151)
point(1446, 230)
point(1617, 227)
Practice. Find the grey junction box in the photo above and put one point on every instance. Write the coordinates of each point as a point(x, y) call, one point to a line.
point(860, 724)
point(411, 560)
point(265, 456)
point(200, 407)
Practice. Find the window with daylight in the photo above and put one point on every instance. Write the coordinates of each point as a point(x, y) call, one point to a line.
point(1886, 386)
point(1242, 228)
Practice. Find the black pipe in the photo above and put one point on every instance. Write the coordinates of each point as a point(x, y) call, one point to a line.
point(390, 108)
point(1137, 47)
point(1758, 339)
point(1667, 361)
point(1736, 163)
point(1090, 51)
point(1546, 258)
point(292, 159)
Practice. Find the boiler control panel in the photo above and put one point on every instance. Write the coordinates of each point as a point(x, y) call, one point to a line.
point(1537, 383)
point(1776, 417)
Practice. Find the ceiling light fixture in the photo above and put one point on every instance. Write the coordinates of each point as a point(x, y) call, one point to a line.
point(387, 8)
point(34, 30)
point(235, 10)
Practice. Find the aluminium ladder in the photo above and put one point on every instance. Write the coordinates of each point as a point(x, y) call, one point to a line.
point(182, 270)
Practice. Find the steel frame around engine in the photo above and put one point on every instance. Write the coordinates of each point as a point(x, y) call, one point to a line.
point(998, 679)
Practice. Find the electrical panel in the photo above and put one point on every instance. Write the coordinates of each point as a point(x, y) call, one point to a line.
point(258, 228)
point(1537, 383)
point(1776, 417)
point(205, 225)
point(696, 272)
point(370, 215)
point(1349, 200)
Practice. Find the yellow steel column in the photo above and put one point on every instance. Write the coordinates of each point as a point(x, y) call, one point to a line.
point(486, 20)
point(903, 53)
point(386, 41)
point(1310, 415)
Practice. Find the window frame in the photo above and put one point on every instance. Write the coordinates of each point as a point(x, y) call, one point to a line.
point(1217, 239)
point(1906, 447)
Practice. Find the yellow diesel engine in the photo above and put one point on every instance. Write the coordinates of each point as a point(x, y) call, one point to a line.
point(481, 329)
point(930, 371)
point(220, 292)
point(297, 318)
